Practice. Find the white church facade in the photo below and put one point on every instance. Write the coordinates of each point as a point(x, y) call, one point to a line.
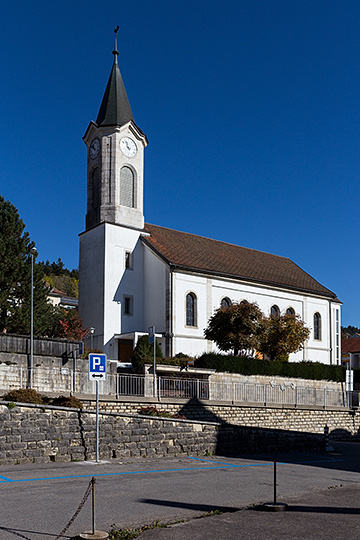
point(135, 275)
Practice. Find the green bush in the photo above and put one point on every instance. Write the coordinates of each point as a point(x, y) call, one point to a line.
point(67, 401)
point(254, 366)
point(24, 395)
point(144, 353)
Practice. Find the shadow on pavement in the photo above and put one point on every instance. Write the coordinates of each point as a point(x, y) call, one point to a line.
point(199, 507)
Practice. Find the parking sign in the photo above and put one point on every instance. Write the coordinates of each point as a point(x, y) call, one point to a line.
point(97, 367)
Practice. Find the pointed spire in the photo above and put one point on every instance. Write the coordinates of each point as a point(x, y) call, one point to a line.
point(115, 108)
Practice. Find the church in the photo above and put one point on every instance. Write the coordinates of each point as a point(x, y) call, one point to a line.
point(134, 275)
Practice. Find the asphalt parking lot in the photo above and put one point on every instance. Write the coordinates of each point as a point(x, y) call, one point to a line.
point(38, 500)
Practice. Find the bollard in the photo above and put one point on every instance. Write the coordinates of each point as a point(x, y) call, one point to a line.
point(326, 435)
point(275, 506)
point(94, 534)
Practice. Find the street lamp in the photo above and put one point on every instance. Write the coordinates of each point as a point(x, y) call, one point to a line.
point(33, 253)
point(92, 331)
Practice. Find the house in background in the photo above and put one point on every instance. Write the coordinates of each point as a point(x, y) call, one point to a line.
point(350, 352)
point(135, 275)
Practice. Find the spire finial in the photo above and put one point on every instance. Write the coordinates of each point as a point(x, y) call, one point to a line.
point(115, 51)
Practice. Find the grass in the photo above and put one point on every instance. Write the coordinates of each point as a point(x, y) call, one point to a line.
point(129, 534)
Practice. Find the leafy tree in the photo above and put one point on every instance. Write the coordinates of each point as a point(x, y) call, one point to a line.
point(236, 327)
point(282, 335)
point(72, 326)
point(15, 277)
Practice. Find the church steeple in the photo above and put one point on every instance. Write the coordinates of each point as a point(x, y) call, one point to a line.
point(115, 164)
point(115, 108)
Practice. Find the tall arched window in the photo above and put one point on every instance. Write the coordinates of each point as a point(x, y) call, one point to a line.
point(95, 188)
point(225, 302)
point(275, 311)
point(127, 187)
point(290, 311)
point(317, 326)
point(191, 309)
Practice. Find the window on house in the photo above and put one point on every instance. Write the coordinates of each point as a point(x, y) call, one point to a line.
point(225, 302)
point(290, 311)
point(127, 185)
point(317, 326)
point(128, 260)
point(275, 311)
point(191, 309)
point(128, 305)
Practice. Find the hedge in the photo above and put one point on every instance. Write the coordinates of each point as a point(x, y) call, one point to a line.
point(254, 366)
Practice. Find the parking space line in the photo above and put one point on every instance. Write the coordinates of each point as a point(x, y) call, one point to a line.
point(217, 465)
point(5, 479)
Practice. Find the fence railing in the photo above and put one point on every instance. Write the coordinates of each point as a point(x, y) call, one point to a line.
point(66, 380)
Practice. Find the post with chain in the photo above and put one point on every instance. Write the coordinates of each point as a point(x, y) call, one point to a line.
point(94, 534)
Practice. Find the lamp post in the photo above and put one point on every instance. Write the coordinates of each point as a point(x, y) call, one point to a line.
point(92, 331)
point(33, 253)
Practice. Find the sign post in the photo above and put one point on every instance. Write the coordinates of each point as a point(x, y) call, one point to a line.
point(97, 372)
point(153, 340)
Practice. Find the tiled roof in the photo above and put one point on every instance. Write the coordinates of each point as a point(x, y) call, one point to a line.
point(350, 345)
point(197, 253)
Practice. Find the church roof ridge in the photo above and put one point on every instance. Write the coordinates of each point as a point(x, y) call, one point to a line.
point(115, 108)
point(199, 253)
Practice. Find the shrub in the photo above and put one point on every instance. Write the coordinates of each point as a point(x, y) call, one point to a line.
point(144, 353)
point(153, 411)
point(67, 401)
point(24, 395)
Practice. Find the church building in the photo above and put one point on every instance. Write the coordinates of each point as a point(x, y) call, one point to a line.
point(134, 275)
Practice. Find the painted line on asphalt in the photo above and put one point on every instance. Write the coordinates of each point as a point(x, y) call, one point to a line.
point(182, 469)
point(5, 479)
point(220, 465)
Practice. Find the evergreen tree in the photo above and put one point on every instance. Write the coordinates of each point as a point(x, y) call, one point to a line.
point(15, 277)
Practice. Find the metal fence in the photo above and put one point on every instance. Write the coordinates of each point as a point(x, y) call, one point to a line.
point(66, 380)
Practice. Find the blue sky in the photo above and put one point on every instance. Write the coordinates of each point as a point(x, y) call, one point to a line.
point(251, 109)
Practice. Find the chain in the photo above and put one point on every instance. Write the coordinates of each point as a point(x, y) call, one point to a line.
point(83, 501)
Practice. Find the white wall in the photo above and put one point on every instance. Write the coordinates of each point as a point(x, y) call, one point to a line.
point(210, 291)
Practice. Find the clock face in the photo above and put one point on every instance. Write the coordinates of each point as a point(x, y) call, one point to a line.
point(94, 148)
point(128, 147)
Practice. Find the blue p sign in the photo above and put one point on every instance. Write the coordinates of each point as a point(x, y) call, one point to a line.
point(97, 367)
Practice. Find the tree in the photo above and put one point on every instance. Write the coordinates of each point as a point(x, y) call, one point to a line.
point(15, 277)
point(144, 352)
point(236, 327)
point(72, 326)
point(282, 335)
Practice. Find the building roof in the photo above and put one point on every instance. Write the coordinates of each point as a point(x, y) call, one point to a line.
point(196, 253)
point(350, 345)
point(115, 108)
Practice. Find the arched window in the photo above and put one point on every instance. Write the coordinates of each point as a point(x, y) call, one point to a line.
point(275, 311)
point(95, 188)
point(225, 302)
point(191, 309)
point(127, 185)
point(317, 326)
point(290, 311)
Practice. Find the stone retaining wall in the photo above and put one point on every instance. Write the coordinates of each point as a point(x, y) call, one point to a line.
point(342, 422)
point(44, 434)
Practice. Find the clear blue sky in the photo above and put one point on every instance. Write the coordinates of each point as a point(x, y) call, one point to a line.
point(251, 108)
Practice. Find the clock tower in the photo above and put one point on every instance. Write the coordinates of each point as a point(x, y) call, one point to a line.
point(115, 159)
point(111, 281)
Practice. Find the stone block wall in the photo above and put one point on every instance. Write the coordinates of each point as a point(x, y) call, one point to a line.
point(343, 423)
point(44, 434)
